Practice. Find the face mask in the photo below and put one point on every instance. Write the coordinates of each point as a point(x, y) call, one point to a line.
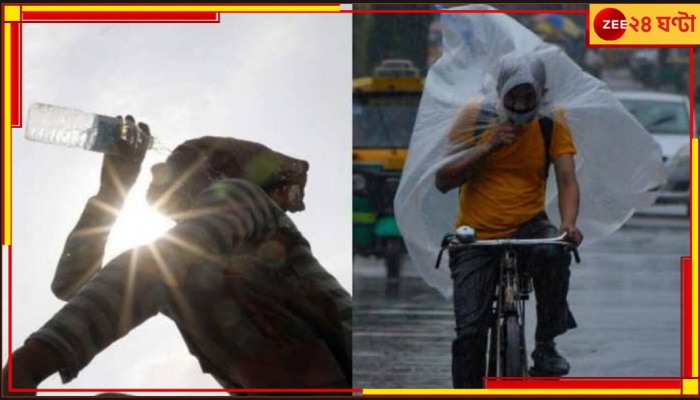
point(521, 118)
point(518, 79)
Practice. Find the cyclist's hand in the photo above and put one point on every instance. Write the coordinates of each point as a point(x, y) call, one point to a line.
point(503, 135)
point(119, 171)
point(573, 234)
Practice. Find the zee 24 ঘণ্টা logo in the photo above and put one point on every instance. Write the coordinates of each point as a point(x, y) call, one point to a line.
point(611, 24)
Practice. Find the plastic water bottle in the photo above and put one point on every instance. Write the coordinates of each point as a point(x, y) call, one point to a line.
point(74, 128)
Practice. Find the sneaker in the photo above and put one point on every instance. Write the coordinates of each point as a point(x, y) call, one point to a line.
point(548, 362)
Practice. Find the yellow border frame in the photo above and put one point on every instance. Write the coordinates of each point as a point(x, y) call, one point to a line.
point(7, 135)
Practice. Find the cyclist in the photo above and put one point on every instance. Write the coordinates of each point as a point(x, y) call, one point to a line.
point(502, 180)
point(235, 275)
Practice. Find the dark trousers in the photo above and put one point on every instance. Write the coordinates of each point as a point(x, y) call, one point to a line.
point(474, 274)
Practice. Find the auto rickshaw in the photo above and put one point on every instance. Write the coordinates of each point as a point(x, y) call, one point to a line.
point(563, 32)
point(384, 112)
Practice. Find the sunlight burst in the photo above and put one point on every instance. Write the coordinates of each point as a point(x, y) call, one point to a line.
point(137, 224)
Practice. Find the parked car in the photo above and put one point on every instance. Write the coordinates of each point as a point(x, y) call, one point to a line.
point(677, 188)
point(667, 118)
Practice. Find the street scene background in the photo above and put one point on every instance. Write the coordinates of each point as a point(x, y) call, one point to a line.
point(625, 294)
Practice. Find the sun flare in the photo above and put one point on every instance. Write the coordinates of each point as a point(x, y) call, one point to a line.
point(138, 224)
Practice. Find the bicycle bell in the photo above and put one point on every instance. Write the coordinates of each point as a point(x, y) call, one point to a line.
point(465, 234)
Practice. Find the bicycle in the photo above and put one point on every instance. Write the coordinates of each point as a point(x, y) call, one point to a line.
point(506, 352)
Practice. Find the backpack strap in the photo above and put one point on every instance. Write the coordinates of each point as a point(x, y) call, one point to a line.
point(546, 127)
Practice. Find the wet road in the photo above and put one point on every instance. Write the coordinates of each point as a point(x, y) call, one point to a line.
point(625, 296)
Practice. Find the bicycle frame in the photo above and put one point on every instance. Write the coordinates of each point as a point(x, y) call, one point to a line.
point(512, 289)
point(511, 292)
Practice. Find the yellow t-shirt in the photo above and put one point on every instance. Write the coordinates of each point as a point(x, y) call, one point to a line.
point(509, 188)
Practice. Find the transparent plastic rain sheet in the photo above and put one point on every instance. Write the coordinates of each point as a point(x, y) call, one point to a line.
point(617, 161)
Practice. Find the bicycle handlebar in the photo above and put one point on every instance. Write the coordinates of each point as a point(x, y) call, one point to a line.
point(559, 240)
point(452, 241)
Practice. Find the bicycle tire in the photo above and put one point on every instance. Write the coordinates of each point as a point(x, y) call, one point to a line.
point(514, 349)
point(491, 354)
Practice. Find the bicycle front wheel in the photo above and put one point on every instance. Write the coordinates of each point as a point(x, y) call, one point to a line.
point(514, 357)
